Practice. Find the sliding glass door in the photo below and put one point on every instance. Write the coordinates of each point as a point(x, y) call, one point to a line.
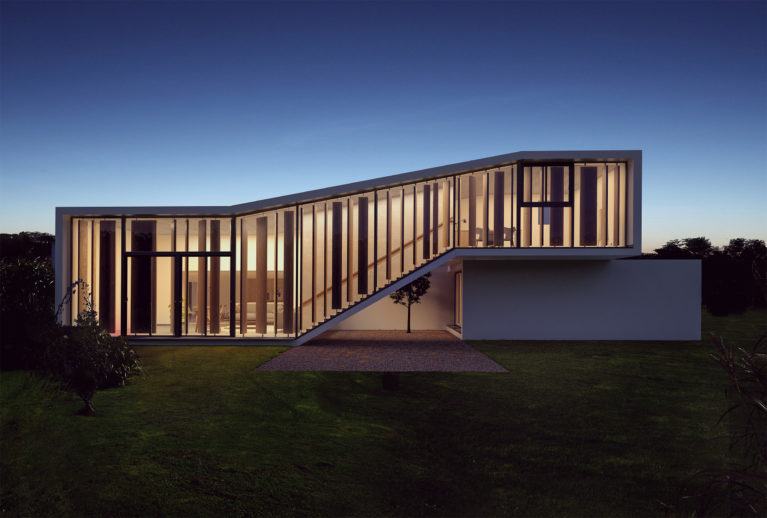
point(177, 277)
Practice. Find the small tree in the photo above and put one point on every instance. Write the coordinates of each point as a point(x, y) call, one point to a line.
point(411, 294)
point(86, 358)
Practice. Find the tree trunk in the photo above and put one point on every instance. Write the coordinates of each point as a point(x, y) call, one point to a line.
point(408, 318)
point(88, 408)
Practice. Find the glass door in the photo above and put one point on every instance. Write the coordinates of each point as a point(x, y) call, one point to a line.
point(150, 295)
point(178, 295)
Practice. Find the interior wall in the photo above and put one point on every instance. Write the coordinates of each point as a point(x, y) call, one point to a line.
point(582, 300)
point(434, 312)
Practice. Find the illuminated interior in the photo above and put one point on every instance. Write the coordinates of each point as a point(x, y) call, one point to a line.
point(297, 265)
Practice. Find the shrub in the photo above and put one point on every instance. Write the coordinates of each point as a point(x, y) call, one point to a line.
point(733, 278)
point(727, 285)
point(26, 311)
point(87, 358)
point(740, 487)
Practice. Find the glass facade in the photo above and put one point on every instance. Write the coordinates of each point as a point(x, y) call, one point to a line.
point(280, 272)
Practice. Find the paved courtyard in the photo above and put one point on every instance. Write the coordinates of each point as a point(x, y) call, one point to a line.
point(384, 351)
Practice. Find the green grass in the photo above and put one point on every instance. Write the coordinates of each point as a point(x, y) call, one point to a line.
point(575, 429)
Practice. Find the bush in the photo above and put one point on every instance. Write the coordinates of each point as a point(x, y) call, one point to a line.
point(727, 285)
point(30, 245)
point(26, 311)
point(733, 278)
point(87, 358)
point(740, 487)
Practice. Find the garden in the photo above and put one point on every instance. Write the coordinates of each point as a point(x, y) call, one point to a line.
point(575, 429)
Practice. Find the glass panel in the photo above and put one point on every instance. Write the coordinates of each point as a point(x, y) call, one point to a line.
point(615, 187)
point(396, 232)
point(82, 264)
point(162, 304)
point(195, 299)
point(407, 227)
point(205, 296)
point(225, 234)
point(161, 228)
point(555, 192)
point(591, 202)
point(369, 257)
point(495, 208)
point(218, 296)
point(307, 247)
point(344, 251)
point(463, 211)
point(602, 205)
point(319, 261)
point(149, 294)
point(381, 230)
point(279, 273)
point(480, 209)
point(105, 273)
point(195, 226)
point(622, 204)
point(508, 208)
point(526, 213)
point(418, 213)
point(181, 226)
point(444, 212)
point(352, 250)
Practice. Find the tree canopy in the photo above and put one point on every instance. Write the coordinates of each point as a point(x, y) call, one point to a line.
point(734, 277)
point(27, 245)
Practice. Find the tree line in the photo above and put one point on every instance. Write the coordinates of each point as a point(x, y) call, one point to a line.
point(734, 277)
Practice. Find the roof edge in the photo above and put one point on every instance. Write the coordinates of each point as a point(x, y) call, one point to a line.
point(349, 188)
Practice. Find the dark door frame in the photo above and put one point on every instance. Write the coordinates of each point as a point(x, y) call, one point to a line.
point(177, 303)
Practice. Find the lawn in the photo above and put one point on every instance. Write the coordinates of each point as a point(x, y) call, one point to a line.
point(575, 429)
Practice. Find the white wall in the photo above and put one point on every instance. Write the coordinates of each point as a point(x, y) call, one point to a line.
point(582, 300)
point(434, 312)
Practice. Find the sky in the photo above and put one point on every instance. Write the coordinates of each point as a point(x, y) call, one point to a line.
point(217, 103)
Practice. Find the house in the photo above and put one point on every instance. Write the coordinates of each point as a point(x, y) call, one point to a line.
point(528, 245)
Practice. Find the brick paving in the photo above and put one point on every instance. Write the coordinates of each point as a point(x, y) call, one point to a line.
point(384, 351)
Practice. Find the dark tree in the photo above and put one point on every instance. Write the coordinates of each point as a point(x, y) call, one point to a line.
point(26, 298)
point(726, 284)
point(673, 249)
point(411, 294)
point(27, 245)
point(752, 255)
point(698, 247)
point(733, 278)
point(688, 248)
point(26, 311)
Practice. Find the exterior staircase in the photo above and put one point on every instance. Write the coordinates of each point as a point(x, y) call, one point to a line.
point(340, 315)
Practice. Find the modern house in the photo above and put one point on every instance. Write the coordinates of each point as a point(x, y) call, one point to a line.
point(528, 245)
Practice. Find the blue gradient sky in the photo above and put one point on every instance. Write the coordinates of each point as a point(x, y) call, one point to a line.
point(185, 103)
